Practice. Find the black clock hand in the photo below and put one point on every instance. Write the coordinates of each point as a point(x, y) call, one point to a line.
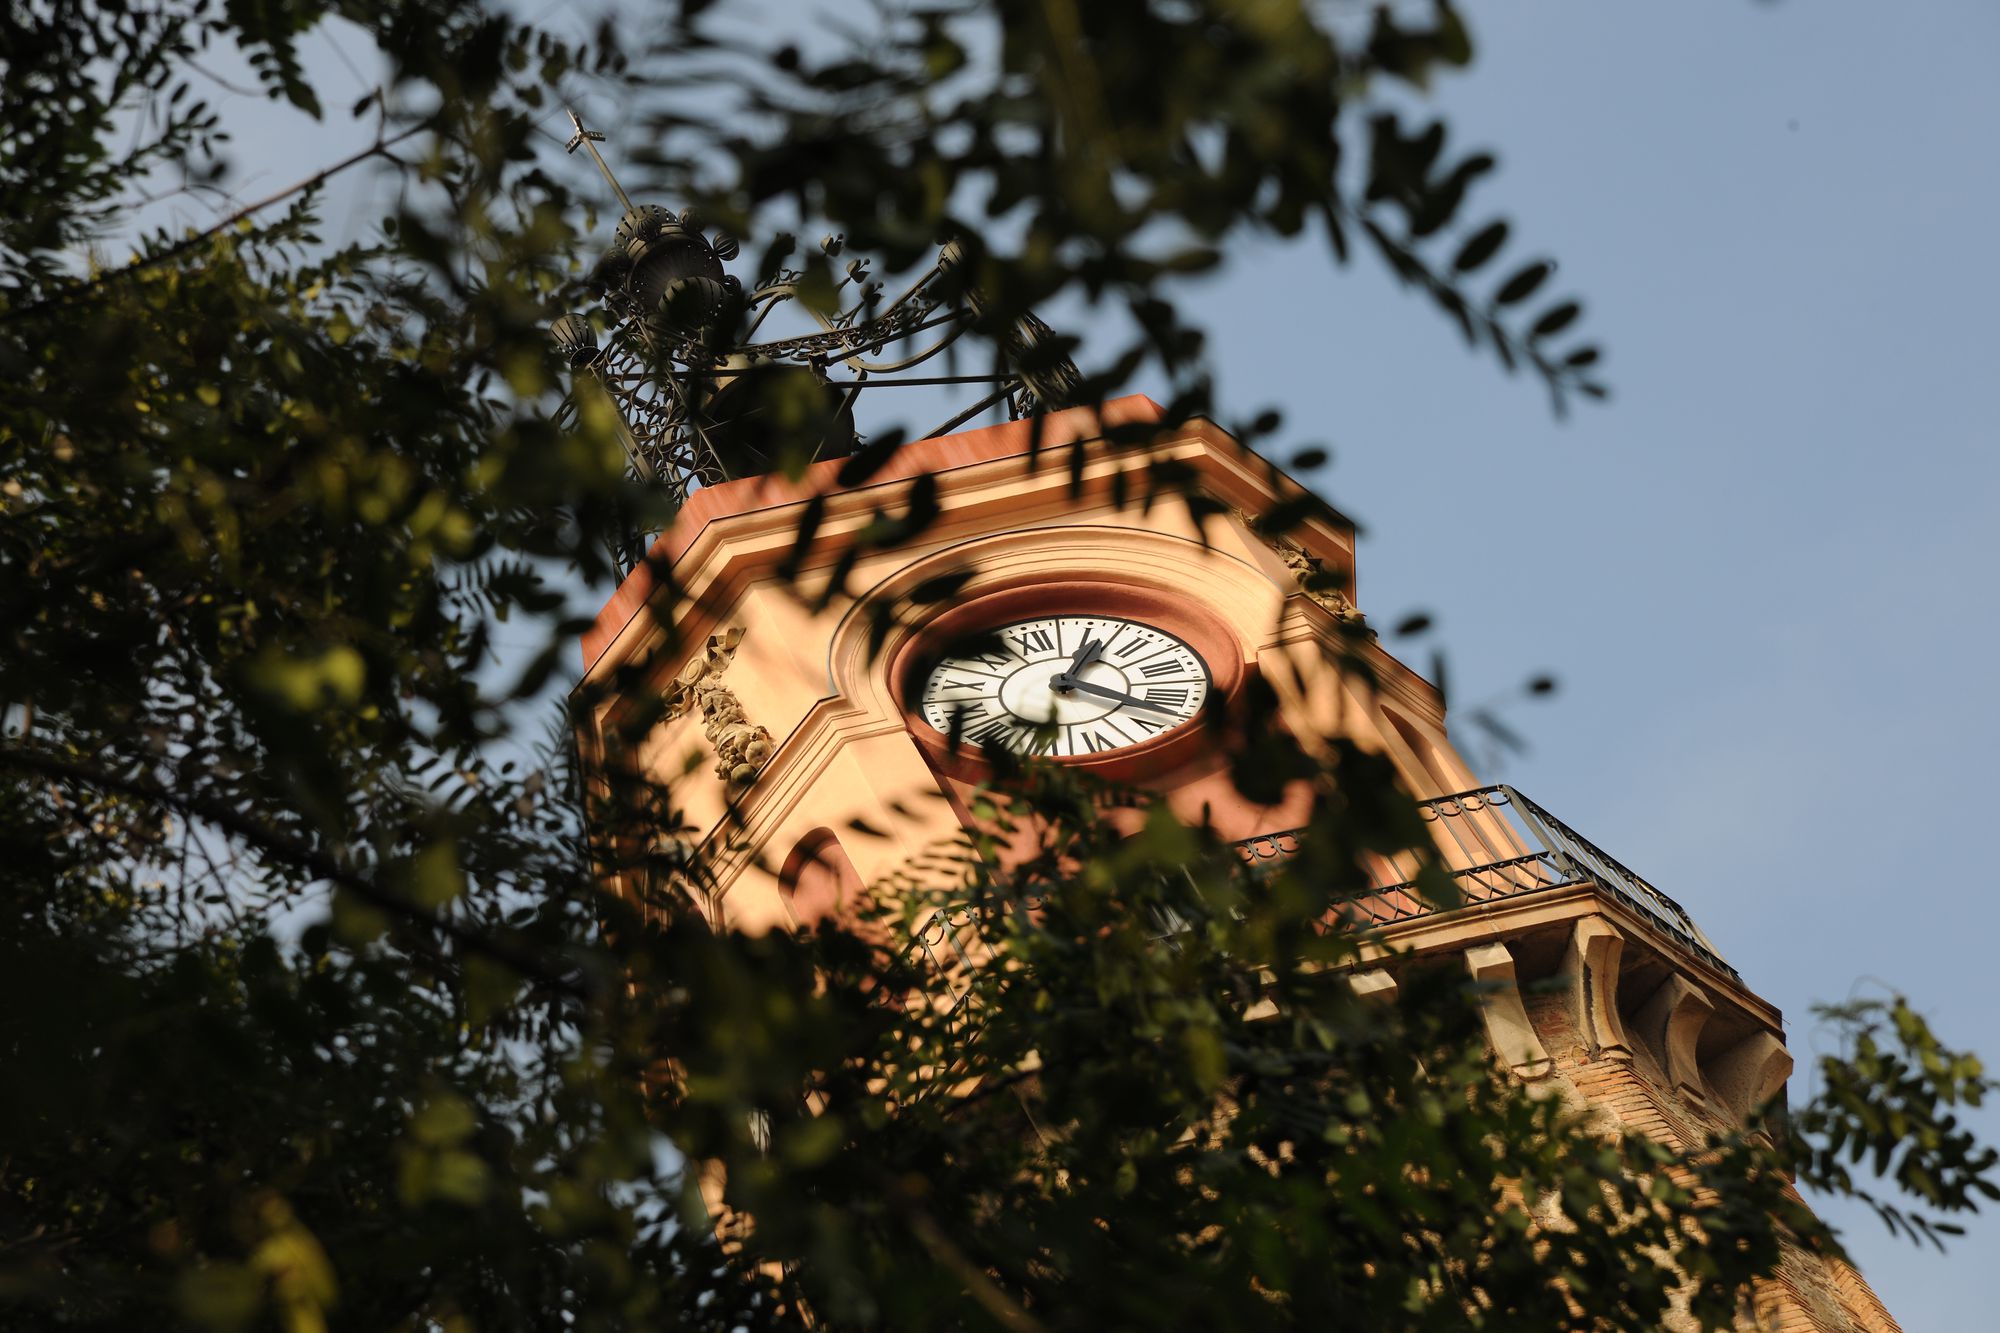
point(1068, 682)
point(1086, 653)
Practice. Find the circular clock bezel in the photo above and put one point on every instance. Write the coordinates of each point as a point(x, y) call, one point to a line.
point(1202, 631)
point(1157, 650)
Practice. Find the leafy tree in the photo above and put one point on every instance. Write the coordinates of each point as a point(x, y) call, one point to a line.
point(311, 1006)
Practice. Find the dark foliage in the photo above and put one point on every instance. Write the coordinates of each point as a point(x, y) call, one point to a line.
point(311, 1011)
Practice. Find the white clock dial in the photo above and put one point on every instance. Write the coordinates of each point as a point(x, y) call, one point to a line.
point(1067, 685)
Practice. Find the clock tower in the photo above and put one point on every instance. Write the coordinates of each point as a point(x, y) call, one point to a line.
point(1080, 625)
point(825, 652)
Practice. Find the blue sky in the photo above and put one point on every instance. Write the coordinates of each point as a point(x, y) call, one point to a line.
point(1761, 571)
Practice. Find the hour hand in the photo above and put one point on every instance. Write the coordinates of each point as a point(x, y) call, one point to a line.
point(1086, 653)
point(1067, 682)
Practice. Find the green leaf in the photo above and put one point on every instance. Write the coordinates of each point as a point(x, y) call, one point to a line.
point(354, 921)
point(809, 1142)
point(490, 989)
point(445, 1120)
point(433, 877)
point(221, 1296)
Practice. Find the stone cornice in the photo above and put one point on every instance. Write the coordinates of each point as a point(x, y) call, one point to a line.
point(750, 527)
point(1550, 909)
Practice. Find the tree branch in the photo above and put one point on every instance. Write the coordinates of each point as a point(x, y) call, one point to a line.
point(299, 852)
point(67, 295)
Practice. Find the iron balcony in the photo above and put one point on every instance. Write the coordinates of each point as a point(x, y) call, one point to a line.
point(1496, 844)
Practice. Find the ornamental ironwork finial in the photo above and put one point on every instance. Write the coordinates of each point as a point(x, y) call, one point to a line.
point(705, 394)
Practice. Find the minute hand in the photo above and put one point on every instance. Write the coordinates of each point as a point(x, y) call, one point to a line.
point(1069, 682)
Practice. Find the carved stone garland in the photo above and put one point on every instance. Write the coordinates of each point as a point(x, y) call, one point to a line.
point(1311, 573)
point(741, 747)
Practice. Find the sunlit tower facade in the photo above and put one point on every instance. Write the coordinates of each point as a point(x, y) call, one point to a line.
point(1091, 628)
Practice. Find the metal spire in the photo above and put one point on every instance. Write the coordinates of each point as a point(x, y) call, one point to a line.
point(694, 388)
point(584, 138)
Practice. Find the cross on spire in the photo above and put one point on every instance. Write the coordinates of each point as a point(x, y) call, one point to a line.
point(584, 138)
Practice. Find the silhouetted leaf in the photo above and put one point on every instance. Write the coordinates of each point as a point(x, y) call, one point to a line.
point(1556, 319)
point(1480, 247)
point(940, 587)
point(1523, 283)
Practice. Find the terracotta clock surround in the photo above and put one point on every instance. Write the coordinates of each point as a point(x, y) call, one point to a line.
point(1182, 617)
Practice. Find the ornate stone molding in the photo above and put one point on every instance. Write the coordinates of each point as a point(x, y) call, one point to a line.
point(1310, 571)
point(1313, 579)
point(741, 747)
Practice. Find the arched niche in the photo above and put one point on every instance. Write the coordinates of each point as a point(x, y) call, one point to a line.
point(818, 880)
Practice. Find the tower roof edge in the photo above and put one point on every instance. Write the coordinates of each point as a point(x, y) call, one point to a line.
point(938, 454)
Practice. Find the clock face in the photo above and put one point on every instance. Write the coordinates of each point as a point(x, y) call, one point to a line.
point(1067, 685)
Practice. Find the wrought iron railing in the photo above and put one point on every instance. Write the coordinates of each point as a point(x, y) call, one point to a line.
point(1494, 843)
point(947, 947)
point(1497, 844)
point(938, 948)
